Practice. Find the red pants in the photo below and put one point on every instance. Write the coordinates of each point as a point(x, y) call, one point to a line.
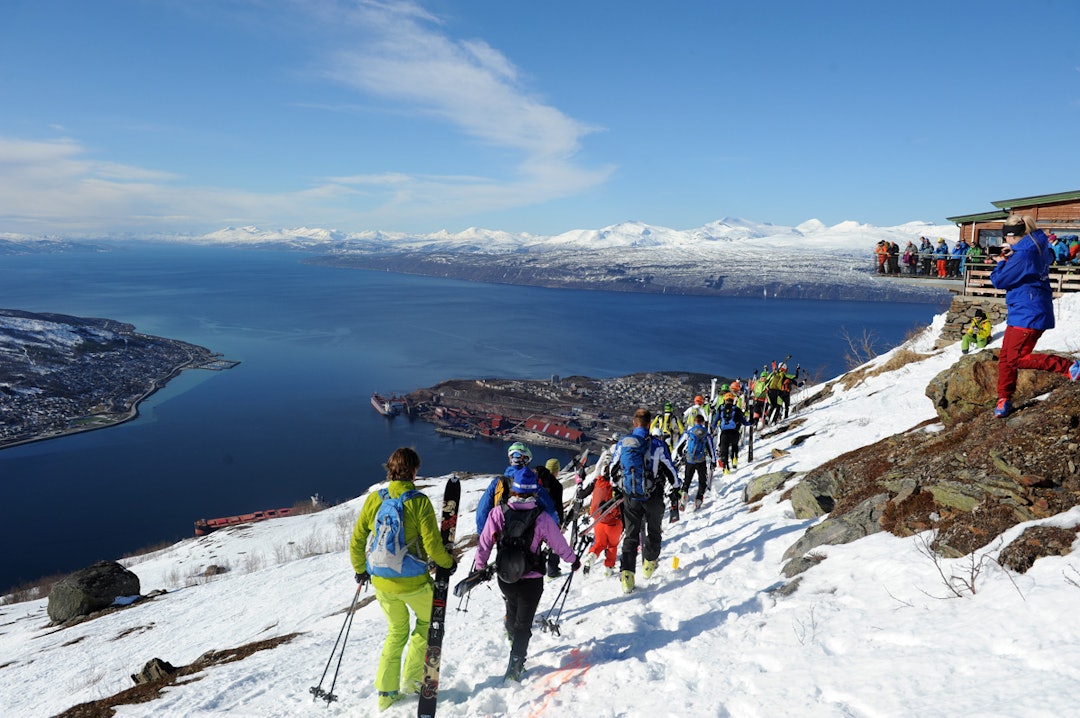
point(941, 267)
point(1016, 353)
point(607, 542)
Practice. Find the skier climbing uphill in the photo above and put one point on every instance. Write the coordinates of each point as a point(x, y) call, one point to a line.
point(398, 570)
point(518, 530)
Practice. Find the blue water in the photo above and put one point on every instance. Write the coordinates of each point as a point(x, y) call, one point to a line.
point(293, 419)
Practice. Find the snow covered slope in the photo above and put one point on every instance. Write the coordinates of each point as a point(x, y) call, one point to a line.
point(865, 634)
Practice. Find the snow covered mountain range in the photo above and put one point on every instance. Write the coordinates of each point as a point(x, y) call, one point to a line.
point(869, 631)
point(730, 257)
point(733, 257)
point(812, 234)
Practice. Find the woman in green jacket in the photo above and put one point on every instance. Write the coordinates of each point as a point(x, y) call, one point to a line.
point(397, 595)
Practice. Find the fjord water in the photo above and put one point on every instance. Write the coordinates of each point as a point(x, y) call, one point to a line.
point(294, 418)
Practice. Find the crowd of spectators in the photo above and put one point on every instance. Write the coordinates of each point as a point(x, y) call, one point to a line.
point(939, 260)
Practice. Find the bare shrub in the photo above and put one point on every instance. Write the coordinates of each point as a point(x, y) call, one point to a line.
point(860, 348)
point(254, 562)
point(31, 590)
point(962, 576)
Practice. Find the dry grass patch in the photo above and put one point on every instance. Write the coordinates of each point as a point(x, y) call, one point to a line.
point(900, 359)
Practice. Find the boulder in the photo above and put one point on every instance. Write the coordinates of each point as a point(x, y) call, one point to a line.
point(863, 520)
point(816, 494)
point(970, 386)
point(90, 589)
point(154, 671)
point(759, 487)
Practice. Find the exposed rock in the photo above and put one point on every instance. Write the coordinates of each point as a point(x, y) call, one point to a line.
point(154, 670)
point(970, 481)
point(90, 589)
point(970, 386)
point(816, 494)
point(1034, 543)
point(861, 521)
point(760, 486)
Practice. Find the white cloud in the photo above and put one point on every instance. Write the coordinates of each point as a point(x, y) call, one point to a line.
point(392, 52)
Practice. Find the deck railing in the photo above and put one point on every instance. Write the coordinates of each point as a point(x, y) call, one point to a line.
point(1063, 278)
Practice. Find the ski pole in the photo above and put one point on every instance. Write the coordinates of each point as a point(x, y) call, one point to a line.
point(317, 691)
point(553, 625)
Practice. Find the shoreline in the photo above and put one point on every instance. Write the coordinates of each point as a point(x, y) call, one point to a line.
point(96, 422)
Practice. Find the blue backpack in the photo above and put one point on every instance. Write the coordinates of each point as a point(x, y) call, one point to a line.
point(387, 554)
point(637, 479)
point(697, 443)
point(727, 418)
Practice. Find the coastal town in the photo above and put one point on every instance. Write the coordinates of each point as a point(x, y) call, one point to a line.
point(563, 412)
point(62, 375)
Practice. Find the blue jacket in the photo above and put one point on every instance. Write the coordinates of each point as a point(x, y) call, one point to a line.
point(1061, 251)
point(1025, 277)
point(487, 501)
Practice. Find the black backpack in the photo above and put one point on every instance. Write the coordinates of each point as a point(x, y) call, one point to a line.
point(515, 557)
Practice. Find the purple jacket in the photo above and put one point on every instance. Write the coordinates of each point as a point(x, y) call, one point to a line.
point(546, 531)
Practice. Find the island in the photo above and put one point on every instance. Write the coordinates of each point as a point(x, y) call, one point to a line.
point(564, 412)
point(62, 374)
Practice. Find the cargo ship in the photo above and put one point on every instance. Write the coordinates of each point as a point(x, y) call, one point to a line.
point(388, 407)
point(205, 526)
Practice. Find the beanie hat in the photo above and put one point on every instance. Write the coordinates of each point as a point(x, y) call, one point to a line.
point(524, 481)
point(552, 465)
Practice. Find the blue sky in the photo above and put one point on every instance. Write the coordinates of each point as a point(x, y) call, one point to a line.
point(186, 116)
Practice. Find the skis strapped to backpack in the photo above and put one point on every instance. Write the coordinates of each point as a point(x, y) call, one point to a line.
point(429, 690)
point(575, 508)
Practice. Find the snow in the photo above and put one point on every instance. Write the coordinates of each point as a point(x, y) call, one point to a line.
point(868, 632)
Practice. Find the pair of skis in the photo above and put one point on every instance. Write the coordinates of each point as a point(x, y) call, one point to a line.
point(429, 689)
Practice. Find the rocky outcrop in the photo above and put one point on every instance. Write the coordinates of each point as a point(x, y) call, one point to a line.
point(970, 481)
point(1036, 542)
point(970, 386)
point(90, 589)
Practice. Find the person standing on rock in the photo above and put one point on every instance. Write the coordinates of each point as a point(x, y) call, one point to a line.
point(1023, 271)
point(643, 509)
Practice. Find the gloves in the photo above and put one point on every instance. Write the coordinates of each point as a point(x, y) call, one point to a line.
point(362, 578)
point(576, 564)
point(453, 567)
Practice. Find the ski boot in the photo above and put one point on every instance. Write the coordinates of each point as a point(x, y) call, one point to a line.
point(698, 503)
point(627, 582)
point(648, 568)
point(682, 501)
point(515, 669)
point(587, 566)
point(388, 698)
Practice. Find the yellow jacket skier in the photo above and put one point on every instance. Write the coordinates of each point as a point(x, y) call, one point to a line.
point(398, 594)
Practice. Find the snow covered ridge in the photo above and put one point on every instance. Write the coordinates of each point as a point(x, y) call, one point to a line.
point(846, 236)
point(867, 632)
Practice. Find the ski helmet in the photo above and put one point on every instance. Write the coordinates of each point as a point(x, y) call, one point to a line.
point(699, 400)
point(519, 454)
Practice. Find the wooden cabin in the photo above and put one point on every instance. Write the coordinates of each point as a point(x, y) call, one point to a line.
point(1057, 213)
